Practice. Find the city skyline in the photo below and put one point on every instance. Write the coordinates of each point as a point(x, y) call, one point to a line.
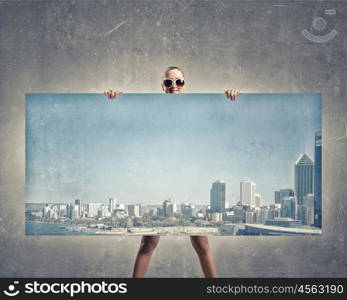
point(297, 211)
point(70, 152)
point(284, 216)
point(217, 198)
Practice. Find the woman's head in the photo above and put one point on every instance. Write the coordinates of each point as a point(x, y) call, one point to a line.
point(173, 80)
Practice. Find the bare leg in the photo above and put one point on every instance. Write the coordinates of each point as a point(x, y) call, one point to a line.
point(202, 248)
point(143, 258)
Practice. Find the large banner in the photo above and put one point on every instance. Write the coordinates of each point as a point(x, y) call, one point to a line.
point(186, 164)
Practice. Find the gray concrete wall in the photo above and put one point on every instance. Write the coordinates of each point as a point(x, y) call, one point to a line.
point(90, 46)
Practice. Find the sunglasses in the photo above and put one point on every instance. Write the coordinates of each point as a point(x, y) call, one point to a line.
point(168, 82)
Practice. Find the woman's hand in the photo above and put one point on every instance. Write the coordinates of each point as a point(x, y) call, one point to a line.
point(232, 94)
point(112, 94)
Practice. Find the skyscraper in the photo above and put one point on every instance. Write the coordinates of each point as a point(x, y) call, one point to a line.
point(187, 209)
point(93, 209)
point(112, 204)
point(69, 210)
point(171, 209)
point(303, 177)
point(257, 200)
point(318, 180)
point(288, 207)
point(307, 213)
point(247, 192)
point(78, 208)
point(250, 217)
point(277, 197)
point(166, 205)
point(217, 196)
point(262, 215)
point(283, 193)
point(134, 210)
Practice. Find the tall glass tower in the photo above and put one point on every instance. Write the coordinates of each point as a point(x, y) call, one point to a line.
point(282, 193)
point(217, 196)
point(318, 180)
point(303, 177)
point(78, 209)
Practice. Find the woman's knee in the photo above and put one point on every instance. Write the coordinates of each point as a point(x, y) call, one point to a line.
point(200, 244)
point(148, 244)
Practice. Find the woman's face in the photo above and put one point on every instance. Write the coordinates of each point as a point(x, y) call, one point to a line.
point(174, 75)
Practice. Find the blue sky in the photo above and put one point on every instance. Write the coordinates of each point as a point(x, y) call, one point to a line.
point(143, 148)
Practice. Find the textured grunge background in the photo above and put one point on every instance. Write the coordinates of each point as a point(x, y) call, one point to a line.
point(253, 46)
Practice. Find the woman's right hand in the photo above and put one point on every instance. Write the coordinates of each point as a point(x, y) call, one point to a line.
point(112, 94)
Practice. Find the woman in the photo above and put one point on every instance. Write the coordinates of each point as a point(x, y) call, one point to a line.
point(173, 82)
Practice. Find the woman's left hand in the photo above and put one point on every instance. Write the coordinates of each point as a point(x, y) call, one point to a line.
point(232, 94)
